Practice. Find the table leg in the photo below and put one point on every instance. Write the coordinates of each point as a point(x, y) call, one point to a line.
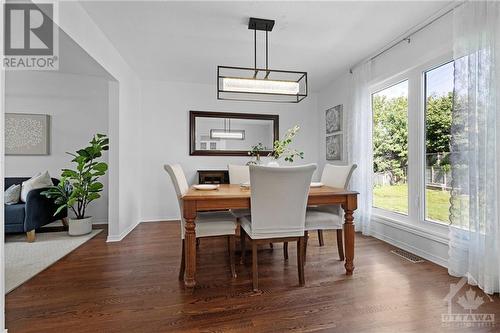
point(190, 243)
point(349, 208)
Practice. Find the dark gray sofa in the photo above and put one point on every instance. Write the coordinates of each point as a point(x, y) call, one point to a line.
point(35, 213)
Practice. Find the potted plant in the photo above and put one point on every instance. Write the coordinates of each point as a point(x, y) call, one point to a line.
point(281, 148)
point(79, 187)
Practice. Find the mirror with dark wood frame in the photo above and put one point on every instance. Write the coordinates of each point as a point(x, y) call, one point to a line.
point(231, 134)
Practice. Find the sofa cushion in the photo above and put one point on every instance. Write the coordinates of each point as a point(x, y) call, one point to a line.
point(38, 181)
point(12, 194)
point(14, 214)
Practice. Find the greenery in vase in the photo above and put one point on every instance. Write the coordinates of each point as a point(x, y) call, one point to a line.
point(80, 187)
point(281, 148)
point(255, 152)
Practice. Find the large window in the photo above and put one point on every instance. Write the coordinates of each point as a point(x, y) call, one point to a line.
point(438, 104)
point(390, 148)
point(412, 116)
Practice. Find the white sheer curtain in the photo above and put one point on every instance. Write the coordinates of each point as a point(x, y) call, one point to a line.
point(475, 229)
point(359, 143)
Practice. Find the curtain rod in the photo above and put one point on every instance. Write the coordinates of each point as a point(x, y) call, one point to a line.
point(412, 31)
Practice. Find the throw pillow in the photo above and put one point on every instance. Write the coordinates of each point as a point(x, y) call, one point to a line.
point(38, 181)
point(12, 194)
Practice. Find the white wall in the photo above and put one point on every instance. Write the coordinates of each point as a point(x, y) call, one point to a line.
point(2, 171)
point(124, 118)
point(165, 137)
point(427, 240)
point(78, 106)
point(336, 93)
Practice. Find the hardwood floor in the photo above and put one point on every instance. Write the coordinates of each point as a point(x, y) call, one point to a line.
point(133, 286)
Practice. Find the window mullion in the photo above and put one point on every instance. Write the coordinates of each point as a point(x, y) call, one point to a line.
point(415, 147)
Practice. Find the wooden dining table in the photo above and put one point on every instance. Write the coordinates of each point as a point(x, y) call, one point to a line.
point(235, 197)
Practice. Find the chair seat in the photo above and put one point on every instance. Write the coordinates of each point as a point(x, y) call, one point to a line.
point(324, 220)
point(239, 213)
point(215, 224)
point(246, 224)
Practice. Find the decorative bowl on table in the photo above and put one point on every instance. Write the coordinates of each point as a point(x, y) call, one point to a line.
point(206, 187)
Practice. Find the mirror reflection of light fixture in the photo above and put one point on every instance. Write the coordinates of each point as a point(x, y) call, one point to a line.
point(228, 133)
point(232, 135)
point(261, 84)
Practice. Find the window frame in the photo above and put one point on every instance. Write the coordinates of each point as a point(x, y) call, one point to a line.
point(435, 65)
point(416, 145)
point(374, 89)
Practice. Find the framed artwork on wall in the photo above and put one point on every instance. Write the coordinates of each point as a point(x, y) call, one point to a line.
point(334, 119)
point(334, 147)
point(27, 134)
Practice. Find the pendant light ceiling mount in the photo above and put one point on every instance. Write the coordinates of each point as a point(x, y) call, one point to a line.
point(260, 24)
point(260, 84)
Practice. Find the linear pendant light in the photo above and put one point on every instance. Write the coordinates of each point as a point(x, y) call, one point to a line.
point(228, 134)
point(261, 84)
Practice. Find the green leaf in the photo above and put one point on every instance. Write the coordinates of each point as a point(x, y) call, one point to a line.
point(60, 209)
point(102, 167)
point(83, 153)
point(71, 201)
point(94, 187)
point(93, 196)
point(69, 173)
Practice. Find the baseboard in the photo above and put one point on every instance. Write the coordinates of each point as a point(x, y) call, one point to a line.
point(415, 230)
point(99, 221)
point(419, 251)
point(160, 220)
point(117, 238)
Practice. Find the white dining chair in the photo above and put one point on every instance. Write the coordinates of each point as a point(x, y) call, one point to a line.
point(330, 217)
point(208, 224)
point(239, 174)
point(278, 208)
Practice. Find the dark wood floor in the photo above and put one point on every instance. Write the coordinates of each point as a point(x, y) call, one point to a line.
point(132, 286)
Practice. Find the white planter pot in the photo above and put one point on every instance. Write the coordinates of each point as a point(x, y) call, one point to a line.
point(80, 227)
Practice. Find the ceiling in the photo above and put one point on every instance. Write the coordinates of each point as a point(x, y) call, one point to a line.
point(185, 41)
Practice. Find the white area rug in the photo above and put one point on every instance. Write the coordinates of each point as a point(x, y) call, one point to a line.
point(24, 260)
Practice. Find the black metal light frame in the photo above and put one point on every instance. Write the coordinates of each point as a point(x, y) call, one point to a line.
point(268, 74)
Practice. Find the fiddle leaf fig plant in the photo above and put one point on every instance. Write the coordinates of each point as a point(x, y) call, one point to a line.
point(79, 187)
point(281, 148)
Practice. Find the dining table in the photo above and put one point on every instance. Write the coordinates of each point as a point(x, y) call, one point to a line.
point(234, 196)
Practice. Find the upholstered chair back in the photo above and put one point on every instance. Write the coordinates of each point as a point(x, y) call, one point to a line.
point(337, 176)
point(181, 187)
point(279, 200)
point(238, 174)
